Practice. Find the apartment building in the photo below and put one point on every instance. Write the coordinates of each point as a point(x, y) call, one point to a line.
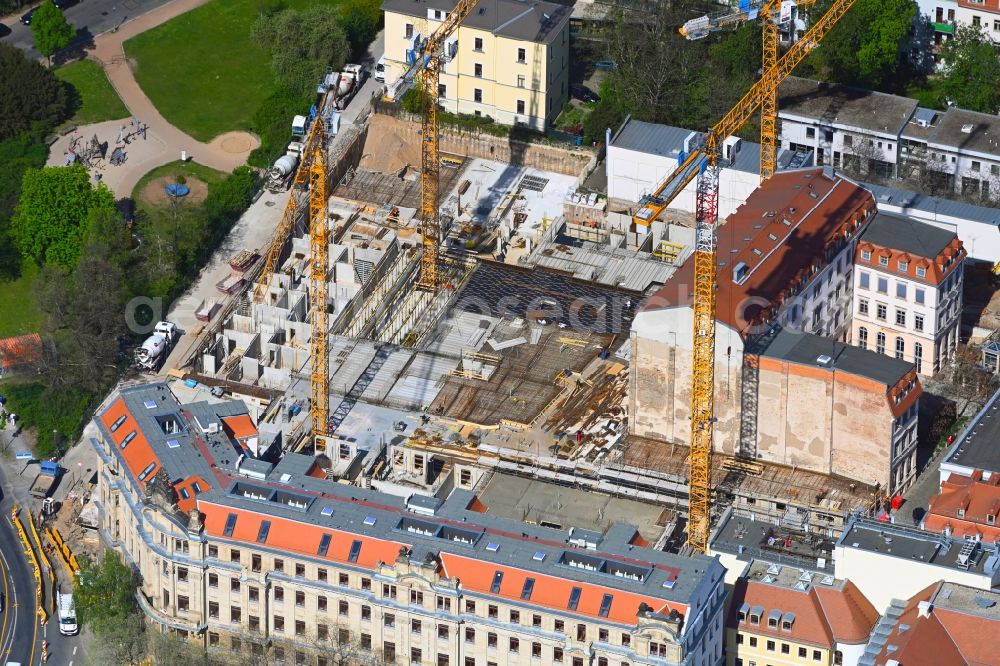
point(984, 14)
point(509, 59)
point(908, 286)
point(244, 554)
point(787, 616)
point(889, 561)
point(967, 507)
point(945, 623)
point(888, 136)
point(786, 264)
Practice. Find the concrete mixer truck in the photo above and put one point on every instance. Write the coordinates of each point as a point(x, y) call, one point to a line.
point(154, 350)
point(279, 176)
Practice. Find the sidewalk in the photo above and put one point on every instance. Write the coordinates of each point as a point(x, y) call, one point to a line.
point(225, 152)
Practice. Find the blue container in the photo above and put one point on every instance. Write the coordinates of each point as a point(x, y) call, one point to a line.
point(190, 383)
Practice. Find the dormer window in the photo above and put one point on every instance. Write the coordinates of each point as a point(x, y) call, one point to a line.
point(754, 619)
point(921, 272)
point(903, 265)
point(883, 261)
point(991, 519)
point(961, 513)
point(866, 255)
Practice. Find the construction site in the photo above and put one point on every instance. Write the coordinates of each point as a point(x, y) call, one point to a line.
point(446, 314)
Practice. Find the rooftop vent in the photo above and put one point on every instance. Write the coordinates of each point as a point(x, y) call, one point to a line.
point(369, 521)
point(327, 511)
point(492, 546)
point(823, 359)
point(967, 128)
point(538, 557)
point(150, 404)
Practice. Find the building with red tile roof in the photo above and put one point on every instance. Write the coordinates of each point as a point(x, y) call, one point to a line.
point(796, 616)
point(269, 547)
point(966, 506)
point(783, 308)
point(943, 624)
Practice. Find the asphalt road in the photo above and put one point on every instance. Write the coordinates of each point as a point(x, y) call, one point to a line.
point(89, 17)
point(18, 625)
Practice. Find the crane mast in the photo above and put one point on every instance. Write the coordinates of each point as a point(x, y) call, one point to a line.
point(706, 218)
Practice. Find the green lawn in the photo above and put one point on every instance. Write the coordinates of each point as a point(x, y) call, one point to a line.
point(203, 71)
point(98, 99)
point(19, 313)
point(187, 169)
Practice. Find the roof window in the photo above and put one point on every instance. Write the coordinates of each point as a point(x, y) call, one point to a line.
point(538, 557)
point(574, 598)
point(492, 546)
point(118, 422)
point(146, 472)
point(265, 527)
point(149, 404)
point(173, 444)
point(606, 605)
point(230, 525)
point(327, 511)
point(355, 551)
point(369, 521)
point(128, 438)
point(529, 587)
point(495, 585)
point(324, 545)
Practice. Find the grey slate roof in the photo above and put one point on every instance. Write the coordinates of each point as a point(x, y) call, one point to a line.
point(905, 235)
point(978, 446)
point(933, 205)
point(806, 348)
point(379, 515)
point(984, 136)
point(516, 19)
point(843, 105)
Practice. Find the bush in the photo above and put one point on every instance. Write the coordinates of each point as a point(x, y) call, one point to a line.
point(17, 155)
point(180, 179)
point(272, 122)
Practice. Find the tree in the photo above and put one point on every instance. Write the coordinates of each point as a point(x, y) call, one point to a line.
point(361, 20)
point(51, 220)
point(51, 30)
point(123, 642)
point(105, 590)
point(30, 94)
point(303, 45)
point(271, 122)
point(971, 72)
point(169, 648)
point(867, 47)
point(971, 384)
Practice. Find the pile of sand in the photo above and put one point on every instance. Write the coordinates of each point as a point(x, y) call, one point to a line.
point(387, 152)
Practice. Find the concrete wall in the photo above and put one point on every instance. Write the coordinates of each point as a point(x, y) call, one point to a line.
point(558, 159)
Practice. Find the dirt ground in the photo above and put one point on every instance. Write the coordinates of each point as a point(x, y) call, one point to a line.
point(154, 193)
point(387, 152)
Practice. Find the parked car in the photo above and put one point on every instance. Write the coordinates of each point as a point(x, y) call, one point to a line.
point(26, 17)
point(380, 70)
point(584, 93)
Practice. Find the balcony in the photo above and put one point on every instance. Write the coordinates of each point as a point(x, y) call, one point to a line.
point(947, 27)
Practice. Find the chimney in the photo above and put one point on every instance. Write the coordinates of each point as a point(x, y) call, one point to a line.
point(924, 609)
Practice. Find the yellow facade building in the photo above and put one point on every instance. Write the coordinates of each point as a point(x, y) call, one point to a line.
point(509, 59)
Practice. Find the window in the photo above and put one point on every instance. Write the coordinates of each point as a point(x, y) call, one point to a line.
point(477, 95)
point(557, 655)
point(919, 293)
point(810, 132)
point(388, 591)
point(415, 627)
point(416, 598)
point(515, 645)
point(300, 598)
point(470, 606)
point(213, 638)
point(497, 579)
point(921, 272)
point(182, 574)
point(626, 640)
point(477, 70)
point(255, 563)
point(520, 106)
point(300, 628)
point(581, 632)
point(366, 613)
point(300, 570)
point(558, 626)
point(883, 286)
point(536, 621)
point(515, 617)
point(343, 608)
point(785, 648)
point(602, 635)
point(520, 80)
point(253, 593)
point(863, 306)
point(918, 355)
point(881, 311)
point(522, 56)
point(235, 614)
point(770, 646)
point(443, 631)
point(903, 265)
point(213, 609)
point(574, 598)
point(491, 640)
point(234, 585)
point(213, 551)
point(739, 639)
point(235, 645)
point(900, 317)
point(389, 652)
point(536, 650)
point(416, 656)
point(900, 290)
point(321, 603)
point(442, 659)
point(753, 641)
point(234, 556)
point(492, 612)
point(183, 603)
point(389, 620)
point(470, 635)
point(279, 565)
point(279, 623)
point(817, 655)
point(863, 280)
point(900, 347)
point(880, 343)
point(803, 653)
point(265, 528)
point(409, 31)
point(442, 91)
point(866, 255)
point(477, 44)
point(606, 605)
point(529, 586)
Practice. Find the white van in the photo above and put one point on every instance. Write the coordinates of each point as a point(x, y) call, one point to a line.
point(380, 70)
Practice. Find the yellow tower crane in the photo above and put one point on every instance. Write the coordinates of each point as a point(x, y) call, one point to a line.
point(702, 162)
point(748, 10)
point(426, 67)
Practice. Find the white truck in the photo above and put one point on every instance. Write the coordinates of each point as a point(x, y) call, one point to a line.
point(67, 616)
point(351, 80)
point(279, 176)
point(156, 347)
